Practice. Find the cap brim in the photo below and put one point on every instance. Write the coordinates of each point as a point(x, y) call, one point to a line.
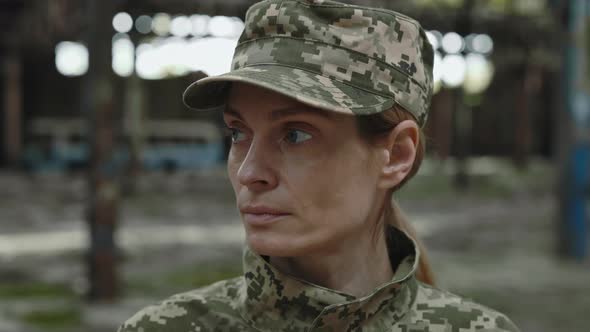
point(309, 88)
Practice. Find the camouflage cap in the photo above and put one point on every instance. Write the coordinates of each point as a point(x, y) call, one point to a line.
point(333, 56)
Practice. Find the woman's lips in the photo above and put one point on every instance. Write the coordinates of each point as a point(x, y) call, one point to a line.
point(261, 216)
point(261, 219)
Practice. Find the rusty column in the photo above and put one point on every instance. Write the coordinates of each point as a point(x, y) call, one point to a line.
point(12, 110)
point(102, 118)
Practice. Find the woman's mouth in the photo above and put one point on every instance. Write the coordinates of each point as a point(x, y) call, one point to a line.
point(261, 215)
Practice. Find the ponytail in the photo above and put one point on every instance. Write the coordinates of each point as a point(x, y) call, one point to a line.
point(394, 216)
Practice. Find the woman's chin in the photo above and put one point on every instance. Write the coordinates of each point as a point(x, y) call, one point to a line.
point(268, 247)
point(263, 247)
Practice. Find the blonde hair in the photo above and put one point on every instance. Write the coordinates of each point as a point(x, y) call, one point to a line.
point(372, 127)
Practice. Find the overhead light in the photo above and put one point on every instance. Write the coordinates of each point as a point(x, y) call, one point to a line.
point(123, 57)
point(147, 65)
point(434, 37)
point(217, 60)
point(161, 24)
point(181, 26)
point(483, 44)
point(122, 22)
point(238, 27)
point(437, 71)
point(177, 56)
point(469, 42)
point(143, 24)
point(453, 69)
point(167, 58)
point(71, 58)
point(199, 25)
point(222, 26)
point(479, 73)
point(452, 43)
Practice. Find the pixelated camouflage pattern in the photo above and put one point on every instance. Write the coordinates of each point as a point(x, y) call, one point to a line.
point(333, 56)
point(264, 299)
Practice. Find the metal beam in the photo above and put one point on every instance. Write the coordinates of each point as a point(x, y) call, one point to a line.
point(103, 190)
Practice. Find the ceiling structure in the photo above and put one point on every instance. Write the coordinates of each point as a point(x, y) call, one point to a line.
point(30, 25)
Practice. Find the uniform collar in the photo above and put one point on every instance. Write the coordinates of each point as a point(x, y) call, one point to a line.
point(273, 301)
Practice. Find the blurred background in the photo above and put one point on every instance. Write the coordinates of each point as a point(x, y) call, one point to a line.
point(114, 196)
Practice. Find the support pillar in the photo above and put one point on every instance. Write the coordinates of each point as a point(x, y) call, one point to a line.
point(12, 111)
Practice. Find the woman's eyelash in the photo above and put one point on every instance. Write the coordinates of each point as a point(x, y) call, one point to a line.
point(291, 135)
point(299, 134)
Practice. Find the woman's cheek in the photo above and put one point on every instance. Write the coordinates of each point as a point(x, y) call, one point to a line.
point(313, 180)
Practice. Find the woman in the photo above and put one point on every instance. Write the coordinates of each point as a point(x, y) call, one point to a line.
point(324, 105)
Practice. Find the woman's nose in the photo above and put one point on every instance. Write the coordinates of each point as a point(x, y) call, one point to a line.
point(257, 171)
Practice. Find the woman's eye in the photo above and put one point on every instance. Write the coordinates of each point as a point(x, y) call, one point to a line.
point(297, 136)
point(236, 135)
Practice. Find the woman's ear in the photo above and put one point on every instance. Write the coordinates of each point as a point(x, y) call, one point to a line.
point(398, 152)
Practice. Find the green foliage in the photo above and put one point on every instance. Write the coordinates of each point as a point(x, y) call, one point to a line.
point(445, 3)
point(198, 276)
point(184, 279)
point(54, 318)
point(499, 5)
point(34, 290)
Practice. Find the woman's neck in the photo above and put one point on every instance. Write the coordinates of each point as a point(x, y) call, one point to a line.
point(355, 268)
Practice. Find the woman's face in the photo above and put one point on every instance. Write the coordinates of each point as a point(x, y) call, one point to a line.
point(303, 177)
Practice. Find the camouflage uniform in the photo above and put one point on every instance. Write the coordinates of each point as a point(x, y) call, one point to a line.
point(342, 58)
point(264, 299)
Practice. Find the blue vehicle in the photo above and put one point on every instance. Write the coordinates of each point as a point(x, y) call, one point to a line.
point(60, 145)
